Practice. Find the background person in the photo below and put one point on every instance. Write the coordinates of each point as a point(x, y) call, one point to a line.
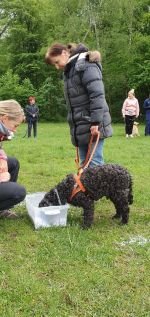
point(130, 111)
point(88, 111)
point(11, 193)
point(146, 107)
point(32, 112)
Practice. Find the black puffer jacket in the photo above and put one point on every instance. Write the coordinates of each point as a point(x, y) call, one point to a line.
point(85, 97)
point(32, 112)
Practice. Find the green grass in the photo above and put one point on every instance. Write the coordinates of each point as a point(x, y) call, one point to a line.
point(69, 272)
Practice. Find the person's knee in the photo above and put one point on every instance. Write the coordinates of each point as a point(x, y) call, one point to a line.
point(20, 194)
point(16, 163)
point(13, 162)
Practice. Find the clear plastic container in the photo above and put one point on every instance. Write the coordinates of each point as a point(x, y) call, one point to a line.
point(45, 216)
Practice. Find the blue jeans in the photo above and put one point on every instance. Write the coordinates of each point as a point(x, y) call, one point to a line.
point(97, 157)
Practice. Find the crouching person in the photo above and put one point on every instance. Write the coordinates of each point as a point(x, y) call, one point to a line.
point(11, 193)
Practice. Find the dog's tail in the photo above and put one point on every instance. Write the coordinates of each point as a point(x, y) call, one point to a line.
point(130, 196)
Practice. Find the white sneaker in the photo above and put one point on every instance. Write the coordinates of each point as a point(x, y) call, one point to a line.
point(131, 136)
point(127, 135)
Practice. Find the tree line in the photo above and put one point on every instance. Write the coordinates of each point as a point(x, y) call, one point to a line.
point(119, 29)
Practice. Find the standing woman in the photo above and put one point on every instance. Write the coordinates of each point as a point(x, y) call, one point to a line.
point(11, 193)
point(32, 113)
point(130, 111)
point(88, 112)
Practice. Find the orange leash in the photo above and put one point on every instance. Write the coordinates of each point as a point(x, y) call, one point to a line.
point(78, 185)
point(86, 164)
point(88, 155)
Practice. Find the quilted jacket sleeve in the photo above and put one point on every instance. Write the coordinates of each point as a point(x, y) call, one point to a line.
point(92, 81)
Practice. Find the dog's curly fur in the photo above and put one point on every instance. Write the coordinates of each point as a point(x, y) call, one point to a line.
point(109, 180)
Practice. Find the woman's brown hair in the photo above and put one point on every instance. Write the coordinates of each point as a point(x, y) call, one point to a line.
point(54, 50)
point(57, 48)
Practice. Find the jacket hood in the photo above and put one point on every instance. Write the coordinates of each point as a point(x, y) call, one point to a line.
point(78, 49)
point(91, 57)
point(94, 56)
point(80, 59)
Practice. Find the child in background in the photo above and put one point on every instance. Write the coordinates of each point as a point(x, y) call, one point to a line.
point(32, 112)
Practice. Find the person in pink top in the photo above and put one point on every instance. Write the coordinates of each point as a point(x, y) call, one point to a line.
point(130, 111)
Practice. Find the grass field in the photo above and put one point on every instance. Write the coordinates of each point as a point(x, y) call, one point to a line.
point(69, 272)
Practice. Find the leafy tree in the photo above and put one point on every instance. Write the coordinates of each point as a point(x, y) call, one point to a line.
point(118, 28)
point(51, 100)
point(10, 88)
point(24, 38)
point(141, 56)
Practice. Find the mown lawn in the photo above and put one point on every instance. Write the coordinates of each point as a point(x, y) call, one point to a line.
point(69, 272)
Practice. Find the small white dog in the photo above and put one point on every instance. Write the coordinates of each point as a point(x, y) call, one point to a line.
point(135, 131)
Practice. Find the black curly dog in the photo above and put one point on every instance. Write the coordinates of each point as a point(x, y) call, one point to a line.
point(109, 180)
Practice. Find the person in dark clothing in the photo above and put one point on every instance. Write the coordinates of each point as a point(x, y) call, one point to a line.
point(32, 112)
point(146, 107)
point(11, 193)
point(88, 112)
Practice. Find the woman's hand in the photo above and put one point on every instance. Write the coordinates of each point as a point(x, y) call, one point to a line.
point(4, 177)
point(94, 130)
point(3, 166)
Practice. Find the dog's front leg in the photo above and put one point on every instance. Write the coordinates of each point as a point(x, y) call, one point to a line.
point(88, 214)
point(87, 203)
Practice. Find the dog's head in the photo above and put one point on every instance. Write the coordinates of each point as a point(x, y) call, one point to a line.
point(60, 194)
point(50, 199)
point(135, 123)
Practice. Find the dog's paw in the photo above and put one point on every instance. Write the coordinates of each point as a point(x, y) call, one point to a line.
point(86, 226)
point(116, 216)
point(124, 222)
